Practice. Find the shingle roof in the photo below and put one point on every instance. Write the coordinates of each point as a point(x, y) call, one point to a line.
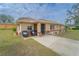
point(25, 19)
point(51, 21)
point(31, 20)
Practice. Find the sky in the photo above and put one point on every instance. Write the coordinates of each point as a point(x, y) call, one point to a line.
point(50, 11)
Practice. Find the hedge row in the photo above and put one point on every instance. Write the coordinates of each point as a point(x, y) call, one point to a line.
point(75, 28)
point(14, 29)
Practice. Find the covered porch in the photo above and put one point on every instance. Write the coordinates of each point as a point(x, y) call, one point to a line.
point(40, 28)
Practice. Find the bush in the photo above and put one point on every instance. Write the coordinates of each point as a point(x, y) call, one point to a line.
point(14, 29)
point(4, 29)
point(76, 28)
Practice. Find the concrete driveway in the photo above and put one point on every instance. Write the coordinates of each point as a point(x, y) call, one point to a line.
point(63, 46)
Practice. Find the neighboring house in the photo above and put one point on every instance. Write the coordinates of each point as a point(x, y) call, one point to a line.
point(41, 26)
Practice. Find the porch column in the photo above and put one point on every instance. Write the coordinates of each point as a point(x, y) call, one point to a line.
point(20, 27)
point(47, 28)
point(18, 30)
point(38, 29)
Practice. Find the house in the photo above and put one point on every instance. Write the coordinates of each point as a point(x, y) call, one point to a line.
point(41, 26)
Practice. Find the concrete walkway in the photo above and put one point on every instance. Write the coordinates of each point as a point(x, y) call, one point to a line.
point(63, 46)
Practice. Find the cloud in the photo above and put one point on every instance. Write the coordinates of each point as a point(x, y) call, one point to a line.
point(35, 10)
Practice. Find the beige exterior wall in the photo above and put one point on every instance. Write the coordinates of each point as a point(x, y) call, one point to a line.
point(62, 27)
point(21, 27)
point(38, 29)
point(18, 28)
point(57, 29)
point(47, 27)
point(24, 26)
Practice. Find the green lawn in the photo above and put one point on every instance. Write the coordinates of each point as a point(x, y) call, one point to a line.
point(12, 45)
point(74, 34)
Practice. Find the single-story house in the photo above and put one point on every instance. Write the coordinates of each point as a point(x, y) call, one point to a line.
point(42, 26)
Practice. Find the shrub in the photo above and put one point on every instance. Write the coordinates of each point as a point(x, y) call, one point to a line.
point(76, 28)
point(14, 29)
point(4, 28)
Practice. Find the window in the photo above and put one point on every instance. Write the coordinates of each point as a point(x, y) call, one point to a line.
point(29, 27)
point(51, 27)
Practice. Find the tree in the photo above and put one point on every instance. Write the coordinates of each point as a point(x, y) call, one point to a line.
point(73, 16)
point(6, 18)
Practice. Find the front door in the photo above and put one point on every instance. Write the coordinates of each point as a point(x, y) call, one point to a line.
point(43, 28)
point(35, 28)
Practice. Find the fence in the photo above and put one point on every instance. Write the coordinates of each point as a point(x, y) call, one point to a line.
point(7, 26)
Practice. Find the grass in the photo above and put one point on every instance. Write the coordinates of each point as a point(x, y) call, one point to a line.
point(74, 34)
point(12, 45)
